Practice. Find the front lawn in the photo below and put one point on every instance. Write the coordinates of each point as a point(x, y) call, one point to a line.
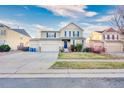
point(88, 65)
point(80, 55)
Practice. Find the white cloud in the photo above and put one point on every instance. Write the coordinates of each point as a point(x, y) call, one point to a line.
point(62, 24)
point(91, 28)
point(85, 24)
point(105, 18)
point(42, 27)
point(90, 14)
point(32, 29)
point(73, 11)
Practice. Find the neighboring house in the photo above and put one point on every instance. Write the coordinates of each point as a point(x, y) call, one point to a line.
point(112, 40)
point(13, 37)
point(95, 41)
point(109, 39)
point(69, 35)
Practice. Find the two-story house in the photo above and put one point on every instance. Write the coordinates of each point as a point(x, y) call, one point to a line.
point(69, 35)
point(95, 40)
point(13, 37)
point(112, 40)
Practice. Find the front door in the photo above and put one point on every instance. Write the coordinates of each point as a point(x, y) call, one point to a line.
point(65, 44)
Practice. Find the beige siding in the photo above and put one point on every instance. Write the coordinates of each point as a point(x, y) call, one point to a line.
point(46, 45)
point(113, 46)
point(13, 39)
point(71, 28)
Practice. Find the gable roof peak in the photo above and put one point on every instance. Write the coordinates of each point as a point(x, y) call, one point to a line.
point(70, 24)
point(110, 30)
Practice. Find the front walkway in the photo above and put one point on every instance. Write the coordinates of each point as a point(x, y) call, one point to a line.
point(26, 62)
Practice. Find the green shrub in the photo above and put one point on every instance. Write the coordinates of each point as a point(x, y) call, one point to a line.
point(72, 48)
point(87, 50)
point(4, 48)
point(78, 47)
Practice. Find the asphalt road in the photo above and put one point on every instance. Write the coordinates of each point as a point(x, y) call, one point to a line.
point(62, 83)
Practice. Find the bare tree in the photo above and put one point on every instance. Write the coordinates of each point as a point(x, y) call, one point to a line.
point(117, 19)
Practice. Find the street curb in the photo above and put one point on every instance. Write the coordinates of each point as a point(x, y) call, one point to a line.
point(62, 76)
point(68, 73)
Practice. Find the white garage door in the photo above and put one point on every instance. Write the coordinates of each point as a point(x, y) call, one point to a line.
point(114, 47)
point(50, 46)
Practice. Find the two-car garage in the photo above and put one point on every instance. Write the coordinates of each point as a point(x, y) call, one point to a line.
point(50, 45)
point(46, 45)
point(115, 46)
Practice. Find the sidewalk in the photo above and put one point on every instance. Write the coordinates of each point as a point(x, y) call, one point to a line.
point(68, 73)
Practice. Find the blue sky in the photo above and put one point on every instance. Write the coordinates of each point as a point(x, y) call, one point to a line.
point(35, 18)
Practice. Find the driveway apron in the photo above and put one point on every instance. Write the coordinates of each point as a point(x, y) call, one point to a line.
point(27, 62)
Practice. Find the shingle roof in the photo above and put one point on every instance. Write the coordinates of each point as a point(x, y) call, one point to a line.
point(99, 31)
point(22, 31)
point(110, 30)
point(2, 25)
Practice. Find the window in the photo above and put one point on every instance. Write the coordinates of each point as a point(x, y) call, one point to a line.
point(69, 33)
point(117, 37)
point(108, 37)
point(65, 33)
point(73, 34)
point(50, 35)
point(73, 42)
point(47, 34)
point(2, 42)
point(2, 32)
point(54, 34)
point(113, 37)
point(77, 33)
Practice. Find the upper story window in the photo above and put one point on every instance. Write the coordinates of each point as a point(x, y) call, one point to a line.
point(117, 37)
point(69, 33)
point(78, 33)
point(50, 35)
point(65, 33)
point(73, 33)
point(47, 35)
point(54, 34)
point(108, 37)
point(113, 37)
point(2, 32)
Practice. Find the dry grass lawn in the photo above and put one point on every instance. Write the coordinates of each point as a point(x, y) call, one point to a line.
point(88, 65)
point(80, 55)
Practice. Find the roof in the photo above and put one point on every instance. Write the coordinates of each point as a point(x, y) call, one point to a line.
point(99, 31)
point(50, 31)
point(2, 25)
point(21, 31)
point(73, 24)
point(110, 30)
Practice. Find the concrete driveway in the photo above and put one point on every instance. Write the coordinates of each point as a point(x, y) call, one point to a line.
point(27, 62)
point(117, 54)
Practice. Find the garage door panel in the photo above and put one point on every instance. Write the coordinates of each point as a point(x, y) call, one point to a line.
point(114, 47)
point(50, 46)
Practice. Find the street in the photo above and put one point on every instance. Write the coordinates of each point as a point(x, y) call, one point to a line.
point(62, 83)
